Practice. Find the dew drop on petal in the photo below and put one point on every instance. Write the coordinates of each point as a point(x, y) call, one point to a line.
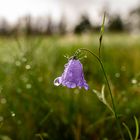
point(57, 81)
point(72, 85)
point(65, 65)
point(86, 87)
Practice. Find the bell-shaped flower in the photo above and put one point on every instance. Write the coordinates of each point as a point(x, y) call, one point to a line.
point(72, 76)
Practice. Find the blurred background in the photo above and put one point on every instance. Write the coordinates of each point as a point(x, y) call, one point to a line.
point(35, 37)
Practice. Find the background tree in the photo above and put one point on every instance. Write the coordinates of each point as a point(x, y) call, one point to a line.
point(115, 24)
point(83, 26)
point(134, 19)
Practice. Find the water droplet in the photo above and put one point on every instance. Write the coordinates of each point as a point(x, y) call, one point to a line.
point(1, 118)
point(3, 101)
point(134, 81)
point(18, 63)
point(86, 87)
point(85, 56)
point(57, 81)
point(25, 79)
point(117, 75)
point(28, 86)
point(24, 59)
point(28, 67)
point(65, 65)
point(13, 114)
point(70, 84)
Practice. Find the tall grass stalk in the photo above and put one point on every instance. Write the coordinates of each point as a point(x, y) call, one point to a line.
point(112, 100)
point(101, 64)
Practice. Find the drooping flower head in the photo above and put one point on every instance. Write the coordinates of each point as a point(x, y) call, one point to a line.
point(72, 76)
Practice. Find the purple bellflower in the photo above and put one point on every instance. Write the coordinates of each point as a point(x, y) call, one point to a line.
point(72, 76)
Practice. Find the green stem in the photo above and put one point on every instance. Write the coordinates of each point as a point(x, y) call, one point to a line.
point(101, 35)
point(112, 100)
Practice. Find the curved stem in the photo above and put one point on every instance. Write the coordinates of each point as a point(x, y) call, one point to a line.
point(112, 100)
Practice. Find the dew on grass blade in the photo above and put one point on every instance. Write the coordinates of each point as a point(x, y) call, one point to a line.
point(28, 67)
point(1, 118)
point(28, 86)
point(13, 114)
point(134, 81)
point(25, 79)
point(3, 101)
point(24, 59)
point(18, 63)
point(117, 75)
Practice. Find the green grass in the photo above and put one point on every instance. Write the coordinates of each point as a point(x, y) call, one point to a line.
point(32, 108)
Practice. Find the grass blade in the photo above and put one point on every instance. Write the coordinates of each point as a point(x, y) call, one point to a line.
point(101, 34)
point(137, 128)
point(128, 130)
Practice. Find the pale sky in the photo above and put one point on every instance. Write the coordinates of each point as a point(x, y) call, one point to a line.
point(12, 9)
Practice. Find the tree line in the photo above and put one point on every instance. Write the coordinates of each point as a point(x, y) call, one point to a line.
point(45, 26)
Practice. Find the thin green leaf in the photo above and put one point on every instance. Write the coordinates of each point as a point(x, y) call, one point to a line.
point(103, 23)
point(101, 97)
point(103, 93)
point(137, 128)
point(128, 130)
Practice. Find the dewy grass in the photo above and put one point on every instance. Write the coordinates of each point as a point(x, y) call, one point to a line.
point(73, 75)
point(112, 100)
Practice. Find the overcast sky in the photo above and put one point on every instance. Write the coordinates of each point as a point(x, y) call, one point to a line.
point(12, 9)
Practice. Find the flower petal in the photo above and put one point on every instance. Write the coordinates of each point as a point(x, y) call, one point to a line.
point(70, 84)
point(86, 86)
point(72, 76)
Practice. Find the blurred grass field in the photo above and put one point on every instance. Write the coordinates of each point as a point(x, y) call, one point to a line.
point(32, 108)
